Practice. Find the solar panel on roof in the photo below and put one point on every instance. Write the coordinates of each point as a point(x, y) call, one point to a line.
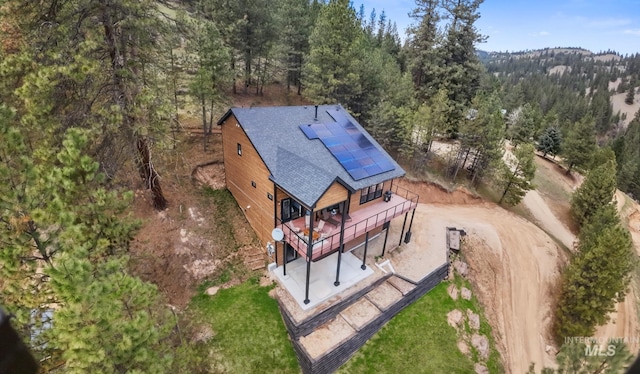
point(308, 131)
point(353, 150)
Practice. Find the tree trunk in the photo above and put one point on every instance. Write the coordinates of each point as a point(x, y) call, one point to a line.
point(455, 174)
point(299, 74)
point(513, 175)
point(174, 128)
point(204, 122)
point(233, 72)
point(476, 167)
point(569, 170)
point(125, 99)
point(247, 71)
point(505, 192)
point(149, 174)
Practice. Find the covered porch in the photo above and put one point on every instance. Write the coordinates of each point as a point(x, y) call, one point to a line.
point(327, 235)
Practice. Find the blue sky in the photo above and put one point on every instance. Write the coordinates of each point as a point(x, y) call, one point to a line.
point(518, 25)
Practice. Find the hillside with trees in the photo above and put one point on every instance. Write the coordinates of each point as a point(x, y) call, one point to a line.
point(98, 100)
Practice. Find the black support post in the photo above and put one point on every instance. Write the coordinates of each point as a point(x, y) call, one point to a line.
point(284, 256)
point(403, 226)
point(341, 245)
point(407, 238)
point(366, 244)
point(386, 235)
point(309, 254)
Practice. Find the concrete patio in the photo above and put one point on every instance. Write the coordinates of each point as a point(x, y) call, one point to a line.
point(323, 275)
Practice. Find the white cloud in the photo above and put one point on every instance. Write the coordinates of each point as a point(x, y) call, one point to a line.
point(635, 32)
point(540, 33)
point(608, 22)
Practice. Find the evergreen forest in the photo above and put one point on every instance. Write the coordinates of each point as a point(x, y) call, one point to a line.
point(93, 96)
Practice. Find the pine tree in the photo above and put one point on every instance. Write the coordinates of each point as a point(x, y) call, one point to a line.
point(425, 58)
point(516, 179)
point(630, 96)
point(627, 150)
point(579, 144)
point(596, 191)
point(601, 108)
point(110, 322)
point(391, 117)
point(62, 268)
point(248, 29)
point(462, 67)
point(526, 125)
point(431, 120)
point(294, 20)
point(482, 137)
point(550, 141)
point(330, 73)
point(108, 80)
point(209, 60)
point(597, 276)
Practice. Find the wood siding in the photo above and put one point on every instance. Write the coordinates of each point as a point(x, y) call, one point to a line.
point(241, 171)
point(337, 193)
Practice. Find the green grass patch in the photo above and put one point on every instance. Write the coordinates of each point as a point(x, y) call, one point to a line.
point(548, 182)
point(489, 193)
point(419, 340)
point(225, 208)
point(249, 335)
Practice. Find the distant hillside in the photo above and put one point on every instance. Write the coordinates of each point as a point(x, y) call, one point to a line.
point(569, 83)
point(548, 51)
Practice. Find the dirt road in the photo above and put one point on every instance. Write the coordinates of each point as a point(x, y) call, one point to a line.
point(514, 267)
point(551, 224)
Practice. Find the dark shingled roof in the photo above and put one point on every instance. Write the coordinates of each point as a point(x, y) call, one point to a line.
point(304, 168)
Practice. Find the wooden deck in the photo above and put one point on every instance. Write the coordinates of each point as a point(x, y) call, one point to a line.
point(360, 222)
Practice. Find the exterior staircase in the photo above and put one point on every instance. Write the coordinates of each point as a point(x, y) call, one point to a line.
point(254, 258)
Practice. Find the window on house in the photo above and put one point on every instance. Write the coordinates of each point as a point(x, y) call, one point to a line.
point(290, 209)
point(253, 184)
point(371, 193)
point(269, 196)
point(239, 149)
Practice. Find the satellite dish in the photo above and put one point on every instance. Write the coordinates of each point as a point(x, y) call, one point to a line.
point(277, 234)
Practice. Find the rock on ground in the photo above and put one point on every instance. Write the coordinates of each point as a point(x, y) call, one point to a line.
point(463, 347)
point(461, 267)
point(466, 293)
point(481, 369)
point(474, 320)
point(481, 344)
point(212, 291)
point(453, 291)
point(454, 318)
point(202, 334)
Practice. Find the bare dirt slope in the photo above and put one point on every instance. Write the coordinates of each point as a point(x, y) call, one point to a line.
point(515, 267)
point(617, 101)
point(545, 217)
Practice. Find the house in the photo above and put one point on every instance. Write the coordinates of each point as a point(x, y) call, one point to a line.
point(314, 178)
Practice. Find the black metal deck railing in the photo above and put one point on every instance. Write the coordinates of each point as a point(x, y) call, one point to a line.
point(367, 219)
